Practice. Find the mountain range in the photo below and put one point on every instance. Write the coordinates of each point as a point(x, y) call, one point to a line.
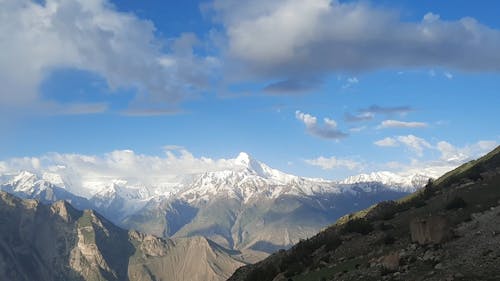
point(218, 221)
point(248, 207)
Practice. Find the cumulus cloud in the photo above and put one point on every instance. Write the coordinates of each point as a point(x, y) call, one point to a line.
point(290, 38)
point(327, 131)
point(400, 124)
point(412, 142)
point(449, 153)
point(37, 37)
point(453, 154)
point(329, 163)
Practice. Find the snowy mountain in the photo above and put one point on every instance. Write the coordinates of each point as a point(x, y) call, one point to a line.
point(406, 183)
point(243, 179)
point(252, 179)
point(246, 205)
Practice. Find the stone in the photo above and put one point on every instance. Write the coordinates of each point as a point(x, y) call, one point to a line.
point(391, 261)
point(428, 256)
point(430, 230)
point(439, 266)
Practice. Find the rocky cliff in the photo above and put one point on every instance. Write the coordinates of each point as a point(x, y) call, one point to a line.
point(57, 242)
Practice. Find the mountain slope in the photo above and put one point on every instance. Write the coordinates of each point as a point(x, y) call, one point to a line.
point(257, 208)
point(58, 242)
point(446, 231)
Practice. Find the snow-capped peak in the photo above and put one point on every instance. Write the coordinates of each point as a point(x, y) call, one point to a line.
point(23, 180)
point(250, 164)
point(243, 158)
point(248, 179)
point(26, 182)
point(405, 182)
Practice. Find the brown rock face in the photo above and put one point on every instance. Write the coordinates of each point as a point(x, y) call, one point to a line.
point(430, 230)
point(57, 242)
point(391, 261)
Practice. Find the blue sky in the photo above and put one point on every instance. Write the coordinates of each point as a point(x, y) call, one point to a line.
point(217, 78)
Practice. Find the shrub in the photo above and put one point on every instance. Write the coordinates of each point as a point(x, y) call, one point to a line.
point(456, 203)
point(385, 226)
point(360, 225)
point(332, 243)
point(389, 239)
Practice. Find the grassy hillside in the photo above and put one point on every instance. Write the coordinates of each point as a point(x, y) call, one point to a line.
point(377, 244)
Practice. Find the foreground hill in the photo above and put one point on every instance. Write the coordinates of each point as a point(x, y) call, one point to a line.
point(447, 231)
point(57, 242)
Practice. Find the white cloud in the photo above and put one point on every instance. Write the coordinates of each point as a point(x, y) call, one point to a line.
point(400, 124)
point(451, 157)
point(37, 38)
point(453, 154)
point(327, 131)
point(448, 75)
point(294, 38)
point(357, 129)
point(414, 143)
point(309, 120)
point(449, 153)
point(137, 169)
point(350, 82)
point(333, 163)
point(387, 142)
point(353, 80)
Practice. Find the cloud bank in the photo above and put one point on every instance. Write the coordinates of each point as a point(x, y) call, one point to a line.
point(84, 171)
point(294, 38)
point(37, 37)
point(449, 153)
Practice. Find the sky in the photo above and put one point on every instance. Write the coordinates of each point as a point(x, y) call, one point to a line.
point(314, 88)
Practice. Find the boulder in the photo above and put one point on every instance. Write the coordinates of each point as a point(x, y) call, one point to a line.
point(430, 230)
point(391, 261)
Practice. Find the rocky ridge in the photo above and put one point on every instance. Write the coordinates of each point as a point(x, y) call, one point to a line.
point(59, 242)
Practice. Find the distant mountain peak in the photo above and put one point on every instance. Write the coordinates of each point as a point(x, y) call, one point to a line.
point(243, 158)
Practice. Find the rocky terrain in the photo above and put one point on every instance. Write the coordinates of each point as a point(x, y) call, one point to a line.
point(58, 242)
point(450, 230)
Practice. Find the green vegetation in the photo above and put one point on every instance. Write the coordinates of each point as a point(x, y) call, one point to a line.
point(84, 223)
point(358, 225)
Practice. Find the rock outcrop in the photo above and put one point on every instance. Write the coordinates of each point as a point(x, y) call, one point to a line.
point(57, 242)
point(430, 230)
